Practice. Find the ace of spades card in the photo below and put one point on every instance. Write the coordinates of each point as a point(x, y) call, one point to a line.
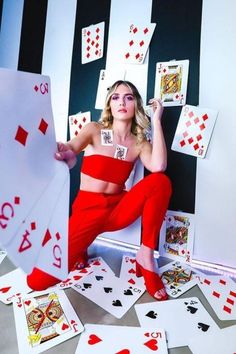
point(77, 122)
point(177, 236)
point(171, 82)
point(92, 42)
point(43, 320)
point(178, 278)
point(139, 38)
point(194, 130)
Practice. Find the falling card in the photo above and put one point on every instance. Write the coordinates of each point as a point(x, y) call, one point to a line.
point(43, 320)
point(77, 122)
point(92, 42)
point(138, 40)
point(182, 319)
point(12, 284)
point(178, 278)
point(121, 340)
point(171, 82)
point(194, 130)
point(177, 236)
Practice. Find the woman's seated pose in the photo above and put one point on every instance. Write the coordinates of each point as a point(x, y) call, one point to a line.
point(111, 147)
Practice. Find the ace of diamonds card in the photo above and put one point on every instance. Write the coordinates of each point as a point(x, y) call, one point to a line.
point(92, 42)
point(194, 130)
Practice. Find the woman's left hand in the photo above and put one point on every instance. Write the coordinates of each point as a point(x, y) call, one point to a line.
point(157, 107)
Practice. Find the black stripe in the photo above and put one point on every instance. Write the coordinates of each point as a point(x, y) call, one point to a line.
point(32, 35)
point(177, 36)
point(1, 6)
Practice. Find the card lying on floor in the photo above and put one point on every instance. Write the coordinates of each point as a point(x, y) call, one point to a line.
point(220, 291)
point(194, 130)
point(95, 265)
point(43, 320)
point(128, 272)
point(13, 284)
point(2, 255)
point(109, 292)
point(28, 145)
point(224, 342)
point(181, 319)
point(121, 340)
point(178, 278)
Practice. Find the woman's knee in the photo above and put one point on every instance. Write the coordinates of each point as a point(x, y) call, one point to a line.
point(161, 181)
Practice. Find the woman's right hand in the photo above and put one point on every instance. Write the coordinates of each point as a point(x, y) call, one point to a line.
point(65, 153)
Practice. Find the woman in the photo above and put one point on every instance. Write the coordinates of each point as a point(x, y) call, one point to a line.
point(111, 148)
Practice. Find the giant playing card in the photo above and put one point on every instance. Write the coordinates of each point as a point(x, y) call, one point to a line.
point(194, 130)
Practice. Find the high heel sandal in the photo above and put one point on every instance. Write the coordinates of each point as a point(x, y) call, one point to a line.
point(153, 282)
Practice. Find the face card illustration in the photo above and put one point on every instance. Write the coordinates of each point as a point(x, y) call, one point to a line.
point(109, 292)
point(121, 340)
point(177, 236)
point(178, 278)
point(27, 148)
point(107, 137)
point(194, 130)
point(120, 152)
point(128, 272)
point(223, 342)
point(139, 37)
point(92, 42)
point(77, 122)
point(181, 319)
point(13, 284)
point(106, 79)
point(44, 320)
point(220, 292)
point(171, 82)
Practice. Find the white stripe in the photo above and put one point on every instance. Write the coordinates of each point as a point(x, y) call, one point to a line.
point(57, 57)
point(12, 13)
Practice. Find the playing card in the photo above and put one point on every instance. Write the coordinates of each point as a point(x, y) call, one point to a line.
point(27, 146)
point(43, 320)
point(121, 340)
point(2, 255)
point(97, 265)
point(13, 284)
point(220, 292)
point(139, 37)
point(106, 79)
point(194, 130)
point(92, 42)
point(171, 82)
point(109, 292)
point(107, 137)
point(181, 319)
point(177, 236)
point(77, 122)
point(53, 258)
point(120, 152)
point(178, 278)
point(26, 246)
point(128, 272)
point(222, 342)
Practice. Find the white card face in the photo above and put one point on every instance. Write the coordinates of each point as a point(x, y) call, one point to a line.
point(120, 152)
point(107, 137)
point(77, 122)
point(92, 42)
point(12, 284)
point(2, 255)
point(95, 265)
point(29, 140)
point(181, 319)
point(194, 130)
point(178, 278)
point(26, 246)
point(138, 40)
point(106, 79)
point(43, 320)
point(177, 236)
point(220, 292)
point(171, 82)
point(128, 272)
point(109, 292)
point(224, 342)
point(121, 340)
point(53, 258)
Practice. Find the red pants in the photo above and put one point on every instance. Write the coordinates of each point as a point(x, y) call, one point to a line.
point(95, 213)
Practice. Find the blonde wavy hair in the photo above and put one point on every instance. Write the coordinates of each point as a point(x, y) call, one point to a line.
point(140, 123)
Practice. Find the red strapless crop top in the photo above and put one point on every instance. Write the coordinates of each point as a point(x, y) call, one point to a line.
point(107, 168)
